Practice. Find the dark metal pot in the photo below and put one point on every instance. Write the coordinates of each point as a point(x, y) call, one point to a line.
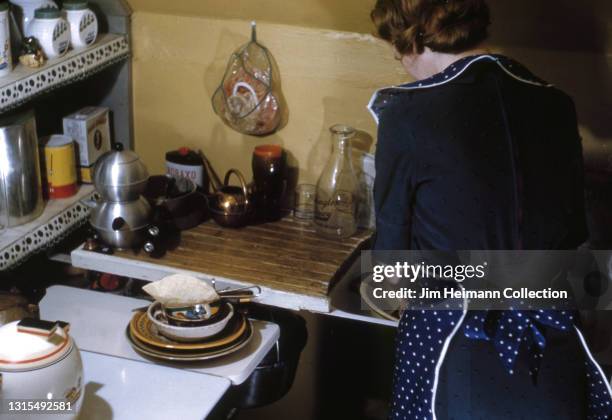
point(184, 205)
point(274, 376)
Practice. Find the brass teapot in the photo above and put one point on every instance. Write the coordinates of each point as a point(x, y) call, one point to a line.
point(229, 205)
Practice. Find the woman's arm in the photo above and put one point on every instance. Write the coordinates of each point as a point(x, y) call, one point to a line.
point(394, 183)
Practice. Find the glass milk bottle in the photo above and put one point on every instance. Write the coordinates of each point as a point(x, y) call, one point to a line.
point(337, 193)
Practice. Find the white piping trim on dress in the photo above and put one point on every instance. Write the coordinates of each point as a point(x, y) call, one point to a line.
point(443, 355)
point(599, 369)
point(480, 57)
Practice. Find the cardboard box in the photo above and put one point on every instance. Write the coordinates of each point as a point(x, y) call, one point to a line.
point(90, 129)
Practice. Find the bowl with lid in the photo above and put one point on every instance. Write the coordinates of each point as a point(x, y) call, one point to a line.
point(39, 360)
point(120, 175)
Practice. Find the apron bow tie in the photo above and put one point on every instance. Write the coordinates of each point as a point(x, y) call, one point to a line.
point(513, 331)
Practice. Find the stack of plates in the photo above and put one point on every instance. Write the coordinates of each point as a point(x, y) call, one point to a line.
point(146, 340)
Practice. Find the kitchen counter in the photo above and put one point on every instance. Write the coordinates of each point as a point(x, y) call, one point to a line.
point(295, 268)
point(98, 322)
point(122, 389)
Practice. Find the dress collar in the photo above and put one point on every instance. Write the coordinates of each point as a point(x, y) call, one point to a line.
point(513, 68)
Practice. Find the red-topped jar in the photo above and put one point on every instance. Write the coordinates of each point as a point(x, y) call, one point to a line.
point(187, 163)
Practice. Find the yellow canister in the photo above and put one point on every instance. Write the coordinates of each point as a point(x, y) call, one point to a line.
point(60, 166)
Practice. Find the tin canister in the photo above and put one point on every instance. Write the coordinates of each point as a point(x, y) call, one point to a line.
point(60, 166)
point(187, 163)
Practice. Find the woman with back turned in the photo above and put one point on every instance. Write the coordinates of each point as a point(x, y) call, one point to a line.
point(479, 154)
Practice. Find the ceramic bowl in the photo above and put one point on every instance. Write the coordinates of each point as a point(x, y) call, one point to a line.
point(189, 316)
point(186, 334)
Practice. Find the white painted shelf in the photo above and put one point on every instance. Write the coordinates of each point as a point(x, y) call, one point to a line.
point(59, 218)
point(25, 83)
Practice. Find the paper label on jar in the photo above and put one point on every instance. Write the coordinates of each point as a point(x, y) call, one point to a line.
point(88, 28)
point(194, 173)
point(61, 36)
point(5, 44)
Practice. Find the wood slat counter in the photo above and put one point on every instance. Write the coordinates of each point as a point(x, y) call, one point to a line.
point(295, 267)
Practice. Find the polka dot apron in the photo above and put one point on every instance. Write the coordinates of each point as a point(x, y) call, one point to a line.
point(424, 337)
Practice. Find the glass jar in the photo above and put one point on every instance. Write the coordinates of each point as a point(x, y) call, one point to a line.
point(337, 195)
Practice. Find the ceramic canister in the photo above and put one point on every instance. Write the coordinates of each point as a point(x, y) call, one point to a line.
point(6, 59)
point(23, 10)
point(51, 30)
point(37, 365)
point(60, 166)
point(83, 23)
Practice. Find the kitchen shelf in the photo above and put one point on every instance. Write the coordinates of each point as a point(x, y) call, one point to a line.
point(25, 83)
point(59, 218)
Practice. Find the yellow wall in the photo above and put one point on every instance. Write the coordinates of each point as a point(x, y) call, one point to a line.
point(181, 49)
point(327, 77)
point(342, 15)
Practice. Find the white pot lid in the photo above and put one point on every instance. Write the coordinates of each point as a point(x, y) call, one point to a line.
point(26, 348)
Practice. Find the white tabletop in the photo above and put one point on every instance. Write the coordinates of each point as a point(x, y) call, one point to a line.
point(117, 389)
point(98, 322)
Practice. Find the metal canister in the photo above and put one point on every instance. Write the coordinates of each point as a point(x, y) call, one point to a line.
point(60, 166)
point(20, 186)
point(187, 163)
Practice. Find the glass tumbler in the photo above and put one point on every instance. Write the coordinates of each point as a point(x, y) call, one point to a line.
point(304, 202)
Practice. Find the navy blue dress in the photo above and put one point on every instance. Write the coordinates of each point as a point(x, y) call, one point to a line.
point(484, 155)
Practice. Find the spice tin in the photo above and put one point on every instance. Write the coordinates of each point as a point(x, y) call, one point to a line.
point(60, 166)
point(186, 163)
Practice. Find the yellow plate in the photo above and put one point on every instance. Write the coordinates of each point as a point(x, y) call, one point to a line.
point(143, 329)
point(173, 355)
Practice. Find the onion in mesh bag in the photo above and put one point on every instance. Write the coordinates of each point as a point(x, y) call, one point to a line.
point(248, 98)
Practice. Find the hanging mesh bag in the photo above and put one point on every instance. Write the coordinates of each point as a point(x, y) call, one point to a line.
point(248, 98)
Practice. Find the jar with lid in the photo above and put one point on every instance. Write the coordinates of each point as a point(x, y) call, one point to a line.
point(337, 193)
point(51, 30)
point(6, 59)
point(187, 163)
point(83, 23)
point(23, 11)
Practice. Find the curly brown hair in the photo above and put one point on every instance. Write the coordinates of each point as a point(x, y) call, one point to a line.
point(449, 26)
